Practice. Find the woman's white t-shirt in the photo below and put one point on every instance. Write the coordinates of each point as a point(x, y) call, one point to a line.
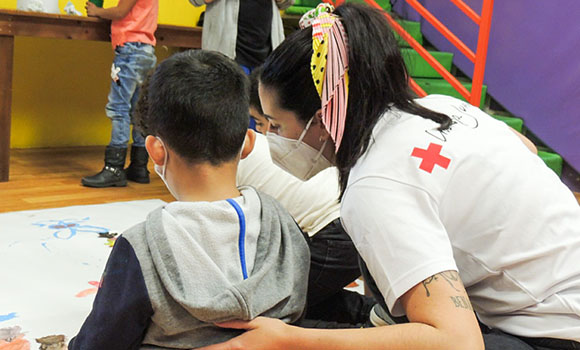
point(313, 203)
point(473, 199)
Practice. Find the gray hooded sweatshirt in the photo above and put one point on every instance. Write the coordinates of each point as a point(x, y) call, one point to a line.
point(190, 257)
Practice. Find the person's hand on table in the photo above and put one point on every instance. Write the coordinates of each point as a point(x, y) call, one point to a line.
point(92, 9)
point(262, 333)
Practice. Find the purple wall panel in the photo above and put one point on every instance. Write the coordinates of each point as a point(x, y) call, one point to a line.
point(533, 63)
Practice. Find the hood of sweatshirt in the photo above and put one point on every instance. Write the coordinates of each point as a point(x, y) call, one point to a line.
point(199, 250)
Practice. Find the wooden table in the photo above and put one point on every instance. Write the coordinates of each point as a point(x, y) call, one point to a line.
point(33, 24)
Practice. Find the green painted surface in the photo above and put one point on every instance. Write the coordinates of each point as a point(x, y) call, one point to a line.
point(385, 4)
point(553, 161)
point(512, 122)
point(308, 3)
point(442, 87)
point(413, 28)
point(419, 68)
point(297, 10)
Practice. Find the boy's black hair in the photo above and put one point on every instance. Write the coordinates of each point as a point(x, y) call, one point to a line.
point(378, 80)
point(197, 102)
point(254, 96)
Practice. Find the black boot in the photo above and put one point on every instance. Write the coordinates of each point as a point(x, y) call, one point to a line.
point(112, 174)
point(137, 170)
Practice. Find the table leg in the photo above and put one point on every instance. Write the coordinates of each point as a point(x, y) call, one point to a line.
point(6, 63)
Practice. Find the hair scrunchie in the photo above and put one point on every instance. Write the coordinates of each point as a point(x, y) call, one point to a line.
point(329, 67)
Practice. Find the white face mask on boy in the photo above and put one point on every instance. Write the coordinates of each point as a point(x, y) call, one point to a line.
point(160, 169)
point(296, 157)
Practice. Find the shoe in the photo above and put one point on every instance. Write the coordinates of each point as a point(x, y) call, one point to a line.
point(380, 317)
point(137, 170)
point(112, 175)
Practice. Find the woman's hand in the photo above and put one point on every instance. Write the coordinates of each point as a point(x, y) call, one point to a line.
point(261, 333)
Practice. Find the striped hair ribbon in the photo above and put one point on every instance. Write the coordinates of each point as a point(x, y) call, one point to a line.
point(329, 68)
point(307, 19)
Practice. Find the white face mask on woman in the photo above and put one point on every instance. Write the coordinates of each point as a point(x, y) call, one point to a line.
point(160, 169)
point(296, 157)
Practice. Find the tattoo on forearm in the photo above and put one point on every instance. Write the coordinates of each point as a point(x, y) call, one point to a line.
point(451, 277)
point(461, 302)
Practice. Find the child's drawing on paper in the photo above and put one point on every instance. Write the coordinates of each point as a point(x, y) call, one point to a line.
point(111, 242)
point(8, 317)
point(68, 228)
point(12, 339)
point(89, 291)
point(53, 259)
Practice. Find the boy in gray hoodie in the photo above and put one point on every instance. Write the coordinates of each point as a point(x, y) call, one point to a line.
point(219, 252)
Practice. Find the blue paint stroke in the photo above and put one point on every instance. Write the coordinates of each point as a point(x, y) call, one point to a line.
point(44, 245)
point(68, 228)
point(8, 317)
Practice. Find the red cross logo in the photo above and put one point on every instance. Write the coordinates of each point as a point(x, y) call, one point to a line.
point(431, 157)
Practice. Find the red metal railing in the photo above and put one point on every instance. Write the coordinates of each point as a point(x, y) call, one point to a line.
point(478, 58)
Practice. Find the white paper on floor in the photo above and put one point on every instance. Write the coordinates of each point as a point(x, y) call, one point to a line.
point(357, 286)
point(51, 262)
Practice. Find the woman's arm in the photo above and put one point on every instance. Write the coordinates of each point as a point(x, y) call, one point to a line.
point(439, 311)
point(529, 144)
point(112, 13)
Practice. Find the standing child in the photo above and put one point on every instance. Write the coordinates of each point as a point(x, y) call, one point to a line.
point(246, 31)
point(219, 252)
point(132, 35)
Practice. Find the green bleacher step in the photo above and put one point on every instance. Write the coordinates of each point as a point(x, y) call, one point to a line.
point(553, 161)
point(297, 10)
point(307, 3)
point(419, 68)
point(413, 28)
point(512, 122)
point(385, 4)
point(442, 87)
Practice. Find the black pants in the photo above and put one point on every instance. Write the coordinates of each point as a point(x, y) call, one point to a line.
point(334, 264)
point(494, 339)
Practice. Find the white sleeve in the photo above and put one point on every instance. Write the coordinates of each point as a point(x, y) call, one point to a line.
point(397, 231)
point(255, 168)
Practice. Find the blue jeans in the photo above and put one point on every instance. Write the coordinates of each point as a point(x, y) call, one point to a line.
point(134, 60)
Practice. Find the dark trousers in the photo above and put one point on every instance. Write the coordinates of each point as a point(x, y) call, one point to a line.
point(334, 265)
point(494, 339)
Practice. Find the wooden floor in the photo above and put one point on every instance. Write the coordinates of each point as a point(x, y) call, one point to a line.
point(50, 178)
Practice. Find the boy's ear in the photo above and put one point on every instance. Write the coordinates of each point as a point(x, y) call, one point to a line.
point(249, 142)
point(155, 149)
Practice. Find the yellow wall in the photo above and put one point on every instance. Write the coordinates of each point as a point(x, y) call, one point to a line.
point(60, 87)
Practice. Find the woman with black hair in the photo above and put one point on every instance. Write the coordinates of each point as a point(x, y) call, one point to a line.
point(449, 209)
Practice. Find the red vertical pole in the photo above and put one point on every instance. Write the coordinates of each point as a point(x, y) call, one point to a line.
point(481, 53)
